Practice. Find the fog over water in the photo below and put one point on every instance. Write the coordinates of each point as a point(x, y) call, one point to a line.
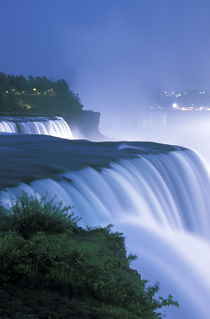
point(115, 54)
point(189, 129)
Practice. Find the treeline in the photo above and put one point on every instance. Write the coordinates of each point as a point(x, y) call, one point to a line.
point(32, 85)
point(37, 96)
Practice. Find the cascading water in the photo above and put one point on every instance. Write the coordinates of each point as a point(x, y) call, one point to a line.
point(40, 125)
point(157, 195)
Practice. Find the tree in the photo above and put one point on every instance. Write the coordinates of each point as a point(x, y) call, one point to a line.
point(61, 87)
point(3, 82)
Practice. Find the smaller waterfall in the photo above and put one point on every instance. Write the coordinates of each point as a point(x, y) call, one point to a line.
point(7, 126)
point(36, 125)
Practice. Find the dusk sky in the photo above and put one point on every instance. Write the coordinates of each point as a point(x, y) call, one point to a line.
point(113, 53)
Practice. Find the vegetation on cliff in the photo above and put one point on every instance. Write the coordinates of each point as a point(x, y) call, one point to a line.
point(52, 268)
point(37, 96)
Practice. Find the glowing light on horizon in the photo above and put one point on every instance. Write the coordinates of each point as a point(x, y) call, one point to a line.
point(175, 106)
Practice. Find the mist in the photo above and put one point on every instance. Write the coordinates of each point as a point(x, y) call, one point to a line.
point(187, 129)
point(114, 54)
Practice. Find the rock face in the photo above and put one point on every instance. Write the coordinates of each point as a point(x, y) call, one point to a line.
point(85, 125)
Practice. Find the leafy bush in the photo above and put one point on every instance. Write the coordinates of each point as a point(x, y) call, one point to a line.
point(79, 273)
point(29, 215)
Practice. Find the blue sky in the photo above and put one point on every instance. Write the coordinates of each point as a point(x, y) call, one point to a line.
point(114, 53)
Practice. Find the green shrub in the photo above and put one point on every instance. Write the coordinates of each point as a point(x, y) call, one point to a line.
point(29, 215)
point(43, 249)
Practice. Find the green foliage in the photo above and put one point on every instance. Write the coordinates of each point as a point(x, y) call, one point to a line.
point(56, 105)
point(30, 215)
point(34, 96)
point(21, 84)
point(9, 99)
point(52, 268)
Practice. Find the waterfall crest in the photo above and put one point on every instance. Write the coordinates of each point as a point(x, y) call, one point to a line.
point(157, 195)
point(40, 125)
point(167, 190)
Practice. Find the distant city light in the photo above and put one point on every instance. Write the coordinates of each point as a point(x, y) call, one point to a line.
point(175, 106)
point(190, 108)
point(188, 100)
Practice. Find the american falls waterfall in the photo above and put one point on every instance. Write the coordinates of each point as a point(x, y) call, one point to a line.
point(158, 195)
point(36, 125)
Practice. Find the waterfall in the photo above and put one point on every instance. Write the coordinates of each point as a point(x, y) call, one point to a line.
point(7, 126)
point(40, 125)
point(157, 195)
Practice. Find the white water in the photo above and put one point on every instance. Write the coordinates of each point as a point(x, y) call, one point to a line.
point(161, 202)
point(55, 127)
point(7, 127)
